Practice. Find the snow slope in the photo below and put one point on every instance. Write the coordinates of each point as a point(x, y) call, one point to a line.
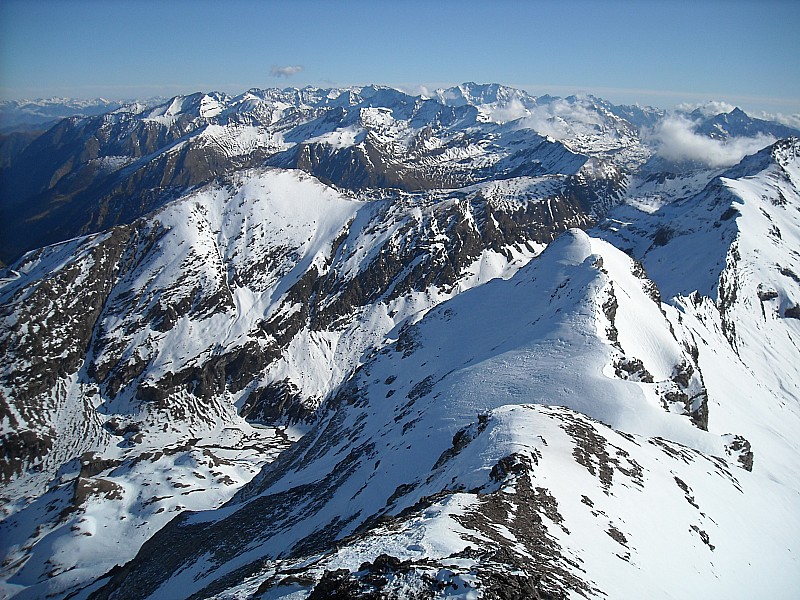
point(747, 319)
point(252, 297)
point(474, 428)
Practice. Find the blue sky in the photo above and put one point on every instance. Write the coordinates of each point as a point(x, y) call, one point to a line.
point(659, 53)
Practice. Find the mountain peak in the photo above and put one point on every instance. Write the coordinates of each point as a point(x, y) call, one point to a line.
point(572, 247)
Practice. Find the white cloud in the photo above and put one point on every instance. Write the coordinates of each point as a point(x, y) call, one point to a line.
point(511, 111)
point(788, 120)
point(707, 109)
point(545, 123)
point(675, 139)
point(285, 72)
point(714, 107)
point(562, 119)
point(416, 90)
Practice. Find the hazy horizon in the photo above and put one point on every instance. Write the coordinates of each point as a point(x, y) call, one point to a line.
point(648, 53)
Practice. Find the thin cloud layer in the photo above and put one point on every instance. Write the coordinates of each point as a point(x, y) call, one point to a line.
point(559, 119)
point(285, 72)
point(511, 111)
point(417, 90)
point(714, 107)
point(788, 120)
point(707, 109)
point(676, 140)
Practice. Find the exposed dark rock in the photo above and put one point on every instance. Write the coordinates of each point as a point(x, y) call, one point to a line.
point(663, 235)
point(511, 465)
point(703, 536)
point(692, 398)
point(276, 402)
point(340, 585)
point(632, 368)
point(95, 487)
point(687, 491)
point(793, 312)
point(787, 272)
point(617, 535)
point(58, 344)
point(461, 439)
point(230, 371)
point(115, 428)
point(741, 448)
point(728, 288)
point(524, 511)
point(682, 374)
point(22, 450)
point(650, 288)
point(765, 294)
point(407, 341)
point(498, 576)
point(504, 584)
point(590, 451)
point(610, 310)
point(93, 464)
point(421, 389)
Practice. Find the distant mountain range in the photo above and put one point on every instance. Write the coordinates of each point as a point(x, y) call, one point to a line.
point(40, 114)
point(357, 343)
point(86, 174)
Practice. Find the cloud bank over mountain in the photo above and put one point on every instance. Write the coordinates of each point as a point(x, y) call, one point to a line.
point(675, 139)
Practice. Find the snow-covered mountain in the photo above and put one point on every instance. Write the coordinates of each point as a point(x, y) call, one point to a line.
point(320, 342)
point(85, 175)
point(254, 298)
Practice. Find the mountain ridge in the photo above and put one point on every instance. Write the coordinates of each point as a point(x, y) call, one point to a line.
point(112, 164)
point(254, 344)
point(241, 515)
